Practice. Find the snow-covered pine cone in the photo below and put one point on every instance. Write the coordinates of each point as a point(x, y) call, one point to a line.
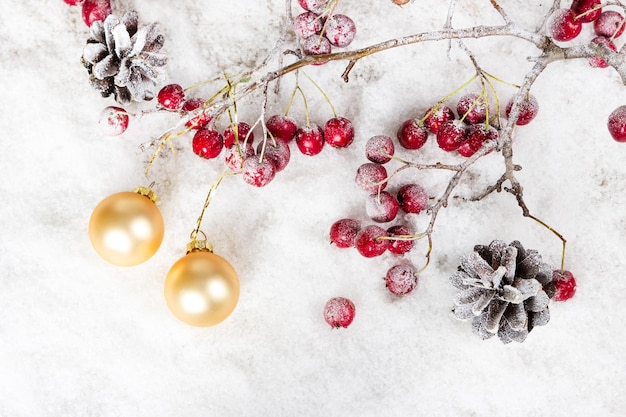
point(505, 290)
point(123, 60)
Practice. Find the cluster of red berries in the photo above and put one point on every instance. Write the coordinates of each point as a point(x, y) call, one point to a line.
point(92, 10)
point(567, 24)
point(319, 29)
point(467, 134)
point(258, 167)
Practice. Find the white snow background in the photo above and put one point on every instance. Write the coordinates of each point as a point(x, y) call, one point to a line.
point(80, 337)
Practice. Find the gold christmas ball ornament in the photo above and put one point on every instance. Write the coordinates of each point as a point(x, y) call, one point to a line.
point(127, 228)
point(202, 288)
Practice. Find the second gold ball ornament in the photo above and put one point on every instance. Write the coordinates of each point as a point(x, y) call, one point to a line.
point(202, 288)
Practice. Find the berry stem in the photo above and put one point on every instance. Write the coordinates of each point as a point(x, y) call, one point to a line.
point(559, 235)
point(443, 100)
point(332, 108)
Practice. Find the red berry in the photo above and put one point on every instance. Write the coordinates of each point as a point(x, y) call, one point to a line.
point(401, 279)
point(282, 127)
point(617, 124)
point(382, 207)
point(207, 143)
point(609, 24)
point(343, 232)
point(310, 140)
point(564, 26)
point(582, 6)
point(371, 177)
point(316, 45)
point(413, 198)
point(340, 30)
point(369, 243)
point(451, 135)
point(400, 246)
point(236, 155)
point(339, 132)
point(528, 109)
point(307, 24)
point(73, 2)
point(472, 108)
point(241, 131)
point(411, 135)
point(316, 6)
point(565, 285)
point(339, 312)
point(476, 136)
point(94, 10)
point(257, 173)
point(113, 121)
point(434, 121)
point(379, 149)
point(279, 154)
point(171, 96)
point(596, 61)
point(200, 120)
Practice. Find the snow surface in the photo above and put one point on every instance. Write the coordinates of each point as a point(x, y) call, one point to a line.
point(80, 337)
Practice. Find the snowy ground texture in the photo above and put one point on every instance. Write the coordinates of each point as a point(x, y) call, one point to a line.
point(80, 337)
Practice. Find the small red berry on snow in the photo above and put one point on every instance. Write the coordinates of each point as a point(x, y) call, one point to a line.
point(371, 241)
point(382, 207)
point(340, 30)
point(617, 124)
point(316, 45)
point(413, 198)
point(235, 155)
point(113, 121)
point(279, 154)
point(339, 132)
point(171, 96)
point(379, 149)
point(476, 136)
point(73, 2)
point(94, 10)
point(528, 109)
point(609, 24)
point(258, 173)
point(596, 61)
point(316, 6)
point(283, 128)
point(200, 120)
point(582, 10)
point(401, 279)
point(343, 232)
point(310, 140)
point(307, 24)
point(411, 135)
point(564, 26)
point(438, 117)
point(472, 108)
point(401, 244)
point(339, 312)
point(371, 177)
point(451, 135)
point(242, 132)
point(564, 284)
point(207, 143)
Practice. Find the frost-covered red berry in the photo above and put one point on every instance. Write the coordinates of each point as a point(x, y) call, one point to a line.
point(371, 241)
point(207, 143)
point(413, 198)
point(382, 207)
point(564, 26)
point(596, 61)
point(258, 173)
point(310, 139)
point(241, 131)
point(93, 10)
point(73, 2)
point(171, 96)
point(339, 132)
point(403, 244)
point(339, 312)
point(379, 149)
point(307, 24)
point(586, 10)
point(564, 284)
point(282, 127)
point(200, 120)
point(401, 279)
point(316, 6)
point(411, 135)
point(343, 232)
point(279, 154)
point(371, 177)
point(451, 135)
point(236, 155)
point(528, 109)
point(436, 118)
point(476, 136)
point(316, 45)
point(340, 30)
point(472, 108)
point(609, 24)
point(113, 121)
point(617, 124)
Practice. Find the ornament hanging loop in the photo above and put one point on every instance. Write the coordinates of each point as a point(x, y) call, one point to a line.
point(199, 243)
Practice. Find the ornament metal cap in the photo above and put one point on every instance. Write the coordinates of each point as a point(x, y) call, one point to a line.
point(147, 192)
point(199, 245)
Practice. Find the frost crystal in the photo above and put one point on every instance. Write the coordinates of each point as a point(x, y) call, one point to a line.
point(503, 290)
point(123, 60)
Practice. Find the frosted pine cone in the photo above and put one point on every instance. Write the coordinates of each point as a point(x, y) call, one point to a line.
point(505, 290)
point(123, 60)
